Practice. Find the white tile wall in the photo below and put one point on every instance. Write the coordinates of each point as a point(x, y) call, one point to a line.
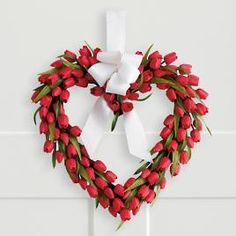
point(36, 200)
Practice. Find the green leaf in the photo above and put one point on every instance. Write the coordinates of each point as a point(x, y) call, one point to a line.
point(140, 83)
point(189, 152)
point(76, 144)
point(168, 68)
point(90, 48)
point(35, 114)
point(175, 161)
point(49, 72)
point(157, 190)
point(46, 89)
point(120, 225)
point(57, 110)
point(208, 129)
point(145, 57)
point(51, 131)
point(145, 98)
point(53, 160)
point(168, 140)
point(39, 87)
point(96, 202)
point(84, 174)
point(176, 123)
point(114, 121)
point(69, 64)
point(137, 183)
point(157, 159)
point(183, 145)
point(62, 147)
point(141, 168)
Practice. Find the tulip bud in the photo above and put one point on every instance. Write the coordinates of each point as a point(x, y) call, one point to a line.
point(82, 82)
point(46, 101)
point(84, 61)
point(179, 111)
point(109, 193)
point(170, 93)
point(63, 121)
point(119, 190)
point(165, 133)
point(85, 161)
point(69, 82)
point(153, 178)
point(53, 78)
point(99, 166)
point(43, 112)
point(193, 80)
point(143, 191)
point(147, 75)
point(125, 214)
point(129, 182)
point(50, 117)
point(110, 176)
point(202, 93)
point(71, 165)
point(201, 109)
point(133, 96)
point(173, 145)
point(163, 183)
point(56, 134)
point(195, 135)
point(101, 183)
point(75, 131)
point(104, 202)
point(127, 107)
point(65, 94)
point(181, 134)
point(114, 105)
point(112, 211)
point(185, 121)
point(97, 91)
point(117, 204)
point(169, 121)
point(48, 146)
point(185, 68)
point(57, 64)
point(150, 197)
point(155, 55)
point(184, 157)
point(155, 63)
point(191, 93)
point(90, 172)
point(65, 72)
point(43, 78)
point(175, 171)
point(182, 80)
point(169, 58)
point(146, 87)
point(64, 138)
point(56, 91)
point(59, 156)
point(189, 105)
point(158, 147)
point(134, 203)
point(145, 173)
point(92, 191)
point(190, 142)
point(71, 150)
point(84, 51)
point(70, 56)
point(83, 183)
point(43, 128)
point(164, 163)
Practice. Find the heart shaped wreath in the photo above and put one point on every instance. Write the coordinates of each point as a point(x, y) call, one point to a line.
point(181, 129)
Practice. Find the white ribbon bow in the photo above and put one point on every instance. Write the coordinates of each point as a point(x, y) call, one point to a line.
point(119, 70)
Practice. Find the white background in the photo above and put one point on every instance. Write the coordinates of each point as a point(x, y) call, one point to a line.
point(36, 200)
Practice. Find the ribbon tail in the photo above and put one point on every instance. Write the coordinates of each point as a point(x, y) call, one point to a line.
point(95, 126)
point(135, 135)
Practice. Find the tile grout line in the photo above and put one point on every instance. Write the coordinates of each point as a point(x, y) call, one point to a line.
point(148, 220)
point(108, 132)
point(92, 203)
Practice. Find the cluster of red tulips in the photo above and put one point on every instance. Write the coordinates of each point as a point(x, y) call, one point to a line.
point(181, 129)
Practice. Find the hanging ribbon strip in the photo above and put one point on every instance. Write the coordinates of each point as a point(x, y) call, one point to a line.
point(118, 69)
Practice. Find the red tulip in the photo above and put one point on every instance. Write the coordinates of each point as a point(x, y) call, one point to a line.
point(119, 190)
point(110, 176)
point(48, 146)
point(125, 214)
point(92, 191)
point(169, 58)
point(71, 165)
point(59, 156)
point(99, 166)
